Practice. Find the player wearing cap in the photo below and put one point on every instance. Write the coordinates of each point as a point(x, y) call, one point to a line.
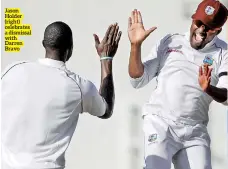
point(176, 115)
point(41, 101)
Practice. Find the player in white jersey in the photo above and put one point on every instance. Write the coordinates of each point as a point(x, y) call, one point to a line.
point(41, 101)
point(191, 71)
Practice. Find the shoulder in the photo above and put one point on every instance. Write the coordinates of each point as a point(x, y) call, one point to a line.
point(171, 38)
point(222, 45)
point(11, 66)
point(84, 84)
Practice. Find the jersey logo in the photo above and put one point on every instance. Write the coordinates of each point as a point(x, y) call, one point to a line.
point(152, 137)
point(208, 60)
point(174, 50)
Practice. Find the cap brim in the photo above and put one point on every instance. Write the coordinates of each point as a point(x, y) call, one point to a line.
point(195, 17)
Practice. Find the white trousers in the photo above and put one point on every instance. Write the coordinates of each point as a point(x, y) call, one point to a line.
point(166, 141)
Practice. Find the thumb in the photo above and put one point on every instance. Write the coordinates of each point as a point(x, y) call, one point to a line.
point(148, 32)
point(96, 38)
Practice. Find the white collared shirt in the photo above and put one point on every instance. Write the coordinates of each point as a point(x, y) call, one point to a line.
point(41, 103)
point(175, 63)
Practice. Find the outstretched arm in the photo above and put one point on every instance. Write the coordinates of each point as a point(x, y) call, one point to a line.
point(137, 34)
point(106, 49)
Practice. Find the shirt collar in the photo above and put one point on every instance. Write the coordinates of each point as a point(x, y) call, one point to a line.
point(51, 62)
point(209, 45)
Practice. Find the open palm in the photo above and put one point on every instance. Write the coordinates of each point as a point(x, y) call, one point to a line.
point(204, 77)
point(136, 32)
point(108, 46)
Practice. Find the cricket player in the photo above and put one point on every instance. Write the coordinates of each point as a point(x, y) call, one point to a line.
point(41, 101)
point(191, 70)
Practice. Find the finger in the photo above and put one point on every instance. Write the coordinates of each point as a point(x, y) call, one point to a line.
point(111, 34)
point(209, 80)
point(200, 71)
point(132, 17)
point(107, 33)
point(205, 71)
point(96, 38)
point(148, 32)
point(209, 73)
point(129, 22)
point(118, 38)
point(136, 15)
point(115, 34)
point(140, 17)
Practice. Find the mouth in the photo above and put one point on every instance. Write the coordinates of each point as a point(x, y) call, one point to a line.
point(199, 37)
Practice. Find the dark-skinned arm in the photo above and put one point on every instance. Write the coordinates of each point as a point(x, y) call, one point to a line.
point(218, 94)
point(106, 49)
point(107, 87)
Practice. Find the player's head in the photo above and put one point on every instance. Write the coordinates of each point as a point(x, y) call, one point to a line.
point(207, 22)
point(58, 41)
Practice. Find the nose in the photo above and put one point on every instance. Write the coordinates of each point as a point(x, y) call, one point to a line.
point(206, 29)
point(203, 28)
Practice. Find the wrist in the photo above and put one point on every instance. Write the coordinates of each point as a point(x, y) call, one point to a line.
point(136, 45)
point(106, 66)
point(208, 89)
point(105, 58)
point(106, 61)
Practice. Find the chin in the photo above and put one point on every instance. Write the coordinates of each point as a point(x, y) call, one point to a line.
point(197, 46)
point(194, 46)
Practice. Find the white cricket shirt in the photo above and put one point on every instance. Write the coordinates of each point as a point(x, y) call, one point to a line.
point(41, 103)
point(175, 63)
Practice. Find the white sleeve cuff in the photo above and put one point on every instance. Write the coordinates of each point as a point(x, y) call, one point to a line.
point(136, 82)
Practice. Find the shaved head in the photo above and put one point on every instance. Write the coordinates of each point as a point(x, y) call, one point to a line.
point(58, 38)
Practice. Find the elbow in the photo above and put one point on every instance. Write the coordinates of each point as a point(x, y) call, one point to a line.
point(224, 102)
point(224, 99)
point(109, 109)
point(135, 72)
point(107, 115)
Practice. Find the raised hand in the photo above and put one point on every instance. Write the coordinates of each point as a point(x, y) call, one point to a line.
point(204, 77)
point(109, 45)
point(136, 32)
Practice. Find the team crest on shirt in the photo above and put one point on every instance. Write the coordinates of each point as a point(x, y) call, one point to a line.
point(208, 60)
point(152, 138)
point(209, 10)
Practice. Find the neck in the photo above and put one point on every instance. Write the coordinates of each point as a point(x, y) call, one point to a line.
point(52, 54)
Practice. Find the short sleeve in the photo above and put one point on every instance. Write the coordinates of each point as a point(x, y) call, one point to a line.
point(152, 64)
point(92, 101)
point(10, 66)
